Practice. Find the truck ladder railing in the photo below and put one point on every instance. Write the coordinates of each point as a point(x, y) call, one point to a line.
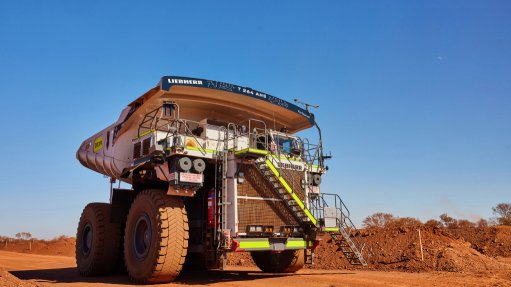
point(222, 215)
point(224, 199)
point(344, 233)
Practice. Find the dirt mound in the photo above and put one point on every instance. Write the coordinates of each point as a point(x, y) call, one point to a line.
point(399, 249)
point(63, 246)
point(493, 241)
point(8, 280)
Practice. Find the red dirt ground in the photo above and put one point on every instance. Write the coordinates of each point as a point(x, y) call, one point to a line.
point(479, 252)
point(29, 270)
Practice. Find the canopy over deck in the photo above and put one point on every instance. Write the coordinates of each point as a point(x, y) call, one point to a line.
point(200, 98)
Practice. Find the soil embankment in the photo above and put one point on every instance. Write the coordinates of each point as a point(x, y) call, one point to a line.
point(468, 250)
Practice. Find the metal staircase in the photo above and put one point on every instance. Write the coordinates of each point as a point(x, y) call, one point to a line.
point(334, 220)
point(346, 245)
point(320, 217)
point(285, 191)
point(337, 222)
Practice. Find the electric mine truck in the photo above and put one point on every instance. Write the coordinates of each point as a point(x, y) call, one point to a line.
point(212, 168)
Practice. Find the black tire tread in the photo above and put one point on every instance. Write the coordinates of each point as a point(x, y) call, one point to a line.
point(106, 241)
point(172, 222)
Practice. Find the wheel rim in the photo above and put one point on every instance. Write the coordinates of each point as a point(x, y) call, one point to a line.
point(87, 239)
point(142, 236)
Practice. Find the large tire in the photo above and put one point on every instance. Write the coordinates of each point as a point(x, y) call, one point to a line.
point(288, 261)
point(156, 237)
point(97, 241)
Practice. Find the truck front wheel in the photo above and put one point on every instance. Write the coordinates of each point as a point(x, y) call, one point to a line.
point(156, 237)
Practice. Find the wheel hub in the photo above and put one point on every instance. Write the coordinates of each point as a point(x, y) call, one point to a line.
point(87, 239)
point(142, 236)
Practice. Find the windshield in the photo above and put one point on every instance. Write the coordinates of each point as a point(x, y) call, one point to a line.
point(286, 144)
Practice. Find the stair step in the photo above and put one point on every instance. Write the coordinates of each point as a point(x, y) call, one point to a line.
point(347, 247)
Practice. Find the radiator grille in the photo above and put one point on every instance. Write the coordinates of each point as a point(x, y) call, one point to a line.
point(254, 210)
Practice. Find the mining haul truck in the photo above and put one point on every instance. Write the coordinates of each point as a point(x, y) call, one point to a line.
point(213, 168)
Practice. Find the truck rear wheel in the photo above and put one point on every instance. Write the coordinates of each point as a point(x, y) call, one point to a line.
point(156, 237)
point(97, 241)
point(288, 261)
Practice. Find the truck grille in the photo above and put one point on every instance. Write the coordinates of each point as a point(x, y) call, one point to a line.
point(258, 204)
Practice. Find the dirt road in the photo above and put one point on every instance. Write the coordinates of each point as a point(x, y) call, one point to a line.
point(43, 270)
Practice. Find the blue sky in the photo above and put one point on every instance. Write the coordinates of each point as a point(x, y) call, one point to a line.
point(415, 96)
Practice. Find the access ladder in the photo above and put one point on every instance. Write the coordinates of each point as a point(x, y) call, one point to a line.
point(344, 230)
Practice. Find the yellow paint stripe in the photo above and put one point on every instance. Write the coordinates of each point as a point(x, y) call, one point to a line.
point(252, 150)
point(290, 191)
point(309, 215)
point(296, 243)
point(272, 167)
point(200, 149)
point(259, 151)
point(254, 244)
point(264, 152)
point(297, 199)
point(286, 158)
point(331, 229)
point(143, 134)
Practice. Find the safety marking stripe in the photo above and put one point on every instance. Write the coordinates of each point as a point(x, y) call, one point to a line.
point(254, 244)
point(296, 244)
point(200, 149)
point(252, 150)
point(143, 134)
point(331, 229)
